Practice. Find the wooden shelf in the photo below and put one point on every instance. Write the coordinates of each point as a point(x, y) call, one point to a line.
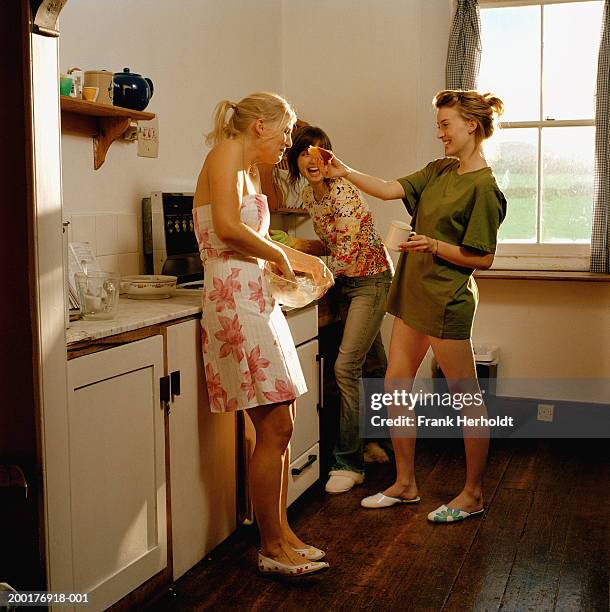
point(103, 122)
point(546, 275)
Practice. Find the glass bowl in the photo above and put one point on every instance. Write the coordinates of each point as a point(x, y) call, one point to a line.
point(98, 294)
point(294, 294)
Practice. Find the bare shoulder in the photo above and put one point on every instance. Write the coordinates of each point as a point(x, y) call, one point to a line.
point(226, 154)
point(220, 167)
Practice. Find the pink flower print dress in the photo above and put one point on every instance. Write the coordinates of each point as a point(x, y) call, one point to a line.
point(249, 355)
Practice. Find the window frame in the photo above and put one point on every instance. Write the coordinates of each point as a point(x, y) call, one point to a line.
point(540, 256)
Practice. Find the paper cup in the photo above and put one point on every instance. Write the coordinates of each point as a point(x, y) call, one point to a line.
point(398, 233)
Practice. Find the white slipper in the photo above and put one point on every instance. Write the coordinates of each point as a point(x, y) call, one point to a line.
point(341, 481)
point(379, 500)
point(266, 565)
point(311, 553)
point(445, 514)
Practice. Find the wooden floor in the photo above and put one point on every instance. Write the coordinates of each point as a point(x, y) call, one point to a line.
point(543, 543)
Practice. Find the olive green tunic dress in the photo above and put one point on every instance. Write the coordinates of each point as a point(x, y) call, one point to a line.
point(429, 293)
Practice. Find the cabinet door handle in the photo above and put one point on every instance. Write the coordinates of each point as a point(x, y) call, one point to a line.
point(164, 392)
point(320, 360)
point(311, 459)
point(175, 382)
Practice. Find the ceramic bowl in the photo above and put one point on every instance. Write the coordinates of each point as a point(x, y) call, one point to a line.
point(294, 294)
point(149, 286)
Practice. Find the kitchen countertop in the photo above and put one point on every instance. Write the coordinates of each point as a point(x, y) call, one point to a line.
point(135, 314)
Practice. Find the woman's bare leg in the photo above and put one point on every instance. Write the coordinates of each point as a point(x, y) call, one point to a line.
point(407, 350)
point(273, 426)
point(290, 536)
point(456, 359)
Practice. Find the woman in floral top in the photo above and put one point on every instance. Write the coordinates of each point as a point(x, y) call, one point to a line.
point(363, 274)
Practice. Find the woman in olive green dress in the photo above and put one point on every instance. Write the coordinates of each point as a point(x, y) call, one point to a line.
point(456, 209)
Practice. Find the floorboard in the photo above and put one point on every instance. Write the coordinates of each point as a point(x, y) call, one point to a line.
point(543, 543)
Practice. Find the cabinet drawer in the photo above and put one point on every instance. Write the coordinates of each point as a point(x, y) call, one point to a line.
point(307, 424)
point(303, 472)
point(303, 323)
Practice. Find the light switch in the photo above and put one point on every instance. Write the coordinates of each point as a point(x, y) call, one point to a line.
point(148, 138)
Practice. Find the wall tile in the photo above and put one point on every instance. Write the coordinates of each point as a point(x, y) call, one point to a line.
point(108, 263)
point(83, 230)
point(127, 234)
point(106, 234)
point(129, 263)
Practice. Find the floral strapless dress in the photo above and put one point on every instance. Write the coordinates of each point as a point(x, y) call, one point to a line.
point(249, 355)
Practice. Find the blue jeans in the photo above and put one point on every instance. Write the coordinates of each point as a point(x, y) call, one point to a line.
point(362, 303)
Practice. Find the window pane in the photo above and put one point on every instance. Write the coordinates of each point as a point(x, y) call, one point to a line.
point(512, 155)
point(567, 184)
point(571, 42)
point(510, 62)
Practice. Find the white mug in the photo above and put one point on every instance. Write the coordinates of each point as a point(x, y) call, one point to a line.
point(398, 233)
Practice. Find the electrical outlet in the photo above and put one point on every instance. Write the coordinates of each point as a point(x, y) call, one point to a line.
point(148, 138)
point(546, 412)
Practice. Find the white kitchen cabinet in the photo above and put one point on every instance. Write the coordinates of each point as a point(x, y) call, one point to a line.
point(304, 448)
point(202, 456)
point(306, 426)
point(116, 479)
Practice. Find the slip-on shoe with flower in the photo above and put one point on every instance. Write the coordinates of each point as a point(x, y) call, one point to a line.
point(445, 514)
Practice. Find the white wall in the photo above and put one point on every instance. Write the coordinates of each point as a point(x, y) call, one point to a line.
point(196, 52)
point(546, 329)
point(366, 71)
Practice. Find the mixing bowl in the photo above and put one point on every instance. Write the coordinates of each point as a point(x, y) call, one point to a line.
point(294, 294)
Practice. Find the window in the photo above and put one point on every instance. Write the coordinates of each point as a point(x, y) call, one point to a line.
point(540, 57)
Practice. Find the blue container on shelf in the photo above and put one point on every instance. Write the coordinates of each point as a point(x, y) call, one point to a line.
point(131, 90)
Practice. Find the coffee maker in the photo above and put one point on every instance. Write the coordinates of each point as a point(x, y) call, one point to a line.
point(170, 244)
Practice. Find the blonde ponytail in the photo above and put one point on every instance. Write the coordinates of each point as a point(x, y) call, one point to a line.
point(267, 106)
point(221, 127)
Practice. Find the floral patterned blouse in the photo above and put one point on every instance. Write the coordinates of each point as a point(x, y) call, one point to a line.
point(343, 222)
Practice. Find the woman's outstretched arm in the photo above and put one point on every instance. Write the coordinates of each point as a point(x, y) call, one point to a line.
point(374, 186)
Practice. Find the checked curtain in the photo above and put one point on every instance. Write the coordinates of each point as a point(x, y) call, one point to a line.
point(464, 52)
point(600, 235)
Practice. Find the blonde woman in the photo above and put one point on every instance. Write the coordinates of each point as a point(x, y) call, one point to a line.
point(249, 355)
point(456, 208)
